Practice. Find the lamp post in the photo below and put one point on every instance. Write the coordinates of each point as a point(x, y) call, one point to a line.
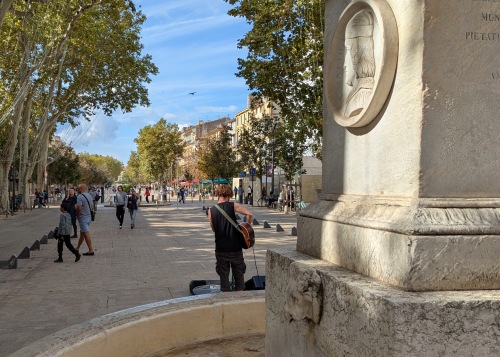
point(13, 178)
point(273, 127)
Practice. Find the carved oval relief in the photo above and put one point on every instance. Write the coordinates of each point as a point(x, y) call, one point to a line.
point(361, 62)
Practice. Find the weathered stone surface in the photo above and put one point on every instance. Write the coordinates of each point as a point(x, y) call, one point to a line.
point(266, 225)
point(412, 197)
point(448, 261)
point(279, 228)
point(410, 190)
point(294, 231)
point(44, 240)
point(362, 317)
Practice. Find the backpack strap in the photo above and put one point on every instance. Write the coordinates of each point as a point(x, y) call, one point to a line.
point(90, 208)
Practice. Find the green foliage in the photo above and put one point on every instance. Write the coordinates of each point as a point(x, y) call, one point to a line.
point(98, 169)
point(126, 188)
point(158, 147)
point(271, 140)
point(252, 145)
point(133, 172)
point(285, 61)
point(65, 167)
point(216, 157)
point(63, 60)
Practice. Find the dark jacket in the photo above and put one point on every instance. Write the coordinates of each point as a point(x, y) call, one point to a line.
point(132, 202)
point(71, 202)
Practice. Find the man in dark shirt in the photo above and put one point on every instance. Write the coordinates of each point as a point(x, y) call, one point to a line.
point(228, 248)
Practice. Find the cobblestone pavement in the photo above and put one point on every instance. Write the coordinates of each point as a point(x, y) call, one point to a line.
point(170, 246)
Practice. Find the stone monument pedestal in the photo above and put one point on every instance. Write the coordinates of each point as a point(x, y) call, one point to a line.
point(319, 309)
point(399, 254)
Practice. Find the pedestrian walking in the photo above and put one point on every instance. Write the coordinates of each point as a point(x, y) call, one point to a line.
point(64, 232)
point(121, 200)
point(132, 207)
point(93, 193)
point(83, 213)
point(235, 193)
point(147, 194)
point(71, 204)
point(182, 195)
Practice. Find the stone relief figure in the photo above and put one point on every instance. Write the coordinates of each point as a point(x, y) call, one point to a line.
point(304, 294)
point(359, 62)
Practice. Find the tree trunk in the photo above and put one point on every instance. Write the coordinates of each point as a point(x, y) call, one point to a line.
point(42, 161)
point(4, 7)
point(9, 149)
point(25, 167)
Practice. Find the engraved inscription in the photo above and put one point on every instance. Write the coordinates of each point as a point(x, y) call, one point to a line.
point(490, 17)
point(487, 37)
point(482, 36)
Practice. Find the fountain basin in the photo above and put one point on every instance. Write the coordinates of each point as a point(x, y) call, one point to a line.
point(153, 329)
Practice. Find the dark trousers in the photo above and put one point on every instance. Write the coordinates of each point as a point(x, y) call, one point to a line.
point(65, 240)
point(227, 261)
point(120, 213)
point(73, 223)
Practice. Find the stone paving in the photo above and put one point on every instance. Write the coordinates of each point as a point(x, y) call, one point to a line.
point(170, 246)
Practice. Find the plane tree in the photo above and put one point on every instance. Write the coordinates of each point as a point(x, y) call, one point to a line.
point(159, 147)
point(216, 156)
point(74, 59)
point(284, 61)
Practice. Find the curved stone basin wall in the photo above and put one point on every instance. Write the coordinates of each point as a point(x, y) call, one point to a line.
point(157, 327)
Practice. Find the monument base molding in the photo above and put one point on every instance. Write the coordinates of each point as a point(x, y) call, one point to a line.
point(316, 308)
point(416, 245)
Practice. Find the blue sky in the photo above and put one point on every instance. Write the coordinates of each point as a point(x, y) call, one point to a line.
point(193, 43)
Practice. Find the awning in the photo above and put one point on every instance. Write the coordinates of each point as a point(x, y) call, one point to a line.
point(218, 180)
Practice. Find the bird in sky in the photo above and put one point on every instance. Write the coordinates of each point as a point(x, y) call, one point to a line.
point(192, 93)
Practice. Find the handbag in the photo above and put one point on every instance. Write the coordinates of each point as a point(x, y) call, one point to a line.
point(244, 228)
point(92, 213)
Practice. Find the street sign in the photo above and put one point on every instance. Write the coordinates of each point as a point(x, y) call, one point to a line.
point(243, 174)
point(253, 171)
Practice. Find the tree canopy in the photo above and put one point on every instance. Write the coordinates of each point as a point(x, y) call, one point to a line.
point(216, 156)
point(285, 61)
point(63, 61)
point(158, 148)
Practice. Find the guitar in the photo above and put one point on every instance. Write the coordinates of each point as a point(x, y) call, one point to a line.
point(248, 235)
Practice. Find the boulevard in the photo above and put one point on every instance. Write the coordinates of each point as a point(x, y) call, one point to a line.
point(170, 246)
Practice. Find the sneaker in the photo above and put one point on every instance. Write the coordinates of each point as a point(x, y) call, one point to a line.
point(74, 236)
point(58, 260)
point(77, 257)
point(132, 226)
point(120, 227)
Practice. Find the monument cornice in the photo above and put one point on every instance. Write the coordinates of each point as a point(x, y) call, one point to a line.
point(422, 216)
